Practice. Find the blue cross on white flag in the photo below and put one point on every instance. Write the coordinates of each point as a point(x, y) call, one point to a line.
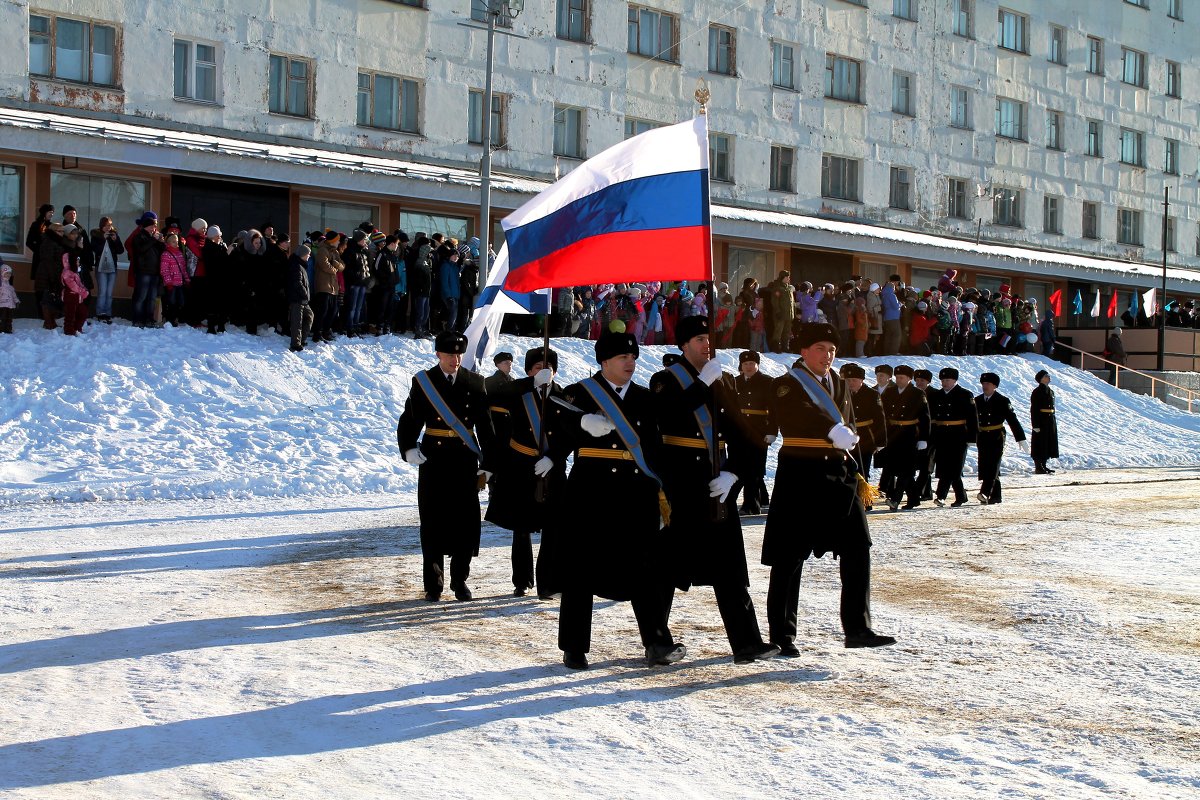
point(491, 306)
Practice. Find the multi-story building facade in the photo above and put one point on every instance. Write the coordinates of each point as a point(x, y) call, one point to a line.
point(1020, 141)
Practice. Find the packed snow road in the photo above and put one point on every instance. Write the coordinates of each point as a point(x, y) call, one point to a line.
point(278, 648)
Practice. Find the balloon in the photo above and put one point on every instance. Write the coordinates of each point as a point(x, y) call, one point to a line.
point(1031, 338)
point(616, 326)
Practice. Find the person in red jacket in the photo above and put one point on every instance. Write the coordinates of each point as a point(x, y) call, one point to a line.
point(922, 324)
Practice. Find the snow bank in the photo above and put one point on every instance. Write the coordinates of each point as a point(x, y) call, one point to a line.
point(126, 414)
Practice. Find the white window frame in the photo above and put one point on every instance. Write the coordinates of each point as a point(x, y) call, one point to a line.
point(903, 89)
point(961, 102)
point(193, 67)
point(783, 65)
point(1175, 9)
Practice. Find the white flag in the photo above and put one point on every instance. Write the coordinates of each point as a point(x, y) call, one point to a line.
point(491, 306)
point(1149, 302)
point(1096, 305)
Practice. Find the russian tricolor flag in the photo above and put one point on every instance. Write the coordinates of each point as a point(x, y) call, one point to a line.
point(637, 211)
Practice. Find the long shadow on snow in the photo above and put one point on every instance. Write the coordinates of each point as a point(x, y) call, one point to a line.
point(344, 722)
point(170, 637)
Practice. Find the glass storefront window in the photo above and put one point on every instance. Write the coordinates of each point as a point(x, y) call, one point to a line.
point(96, 196)
point(320, 215)
point(12, 231)
point(923, 279)
point(744, 263)
point(450, 227)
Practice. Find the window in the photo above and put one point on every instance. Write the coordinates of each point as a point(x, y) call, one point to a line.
point(842, 78)
point(1006, 208)
point(956, 199)
point(1129, 226)
point(568, 132)
point(195, 71)
point(388, 102)
point(290, 81)
point(452, 227)
point(572, 20)
point(1014, 31)
point(902, 93)
point(783, 160)
point(960, 107)
point(1169, 234)
point(904, 9)
point(636, 127)
point(479, 13)
point(1141, 3)
point(1091, 220)
point(1054, 139)
point(319, 215)
point(1132, 149)
point(1171, 157)
point(653, 34)
point(1174, 79)
point(745, 263)
point(1133, 67)
point(721, 50)
point(1095, 60)
point(839, 178)
point(720, 157)
point(72, 50)
point(898, 189)
point(964, 18)
point(12, 191)
point(783, 66)
point(1095, 138)
point(499, 121)
point(95, 195)
point(1051, 218)
point(1175, 9)
point(1010, 119)
point(1058, 45)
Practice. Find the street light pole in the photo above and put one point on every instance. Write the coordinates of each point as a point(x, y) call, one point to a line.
point(494, 9)
point(1162, 300)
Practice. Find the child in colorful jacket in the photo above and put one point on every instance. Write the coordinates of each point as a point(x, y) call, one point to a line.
point(8, 298)
point(74, 294)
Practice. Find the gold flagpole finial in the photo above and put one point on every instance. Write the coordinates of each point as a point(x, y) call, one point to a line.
point(702, 95)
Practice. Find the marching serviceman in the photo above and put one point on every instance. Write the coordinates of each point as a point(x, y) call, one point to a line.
point(907, 412)
point(922, 378)
point(883, 378)
point(994, 411)
point(453, 459)
point(1045, 427)
point(815, 507)
point(528, 484)
point(868, 418)
point(502, 377)
point(753, 397)
point(614, 547)
point(696, 414)
point(955, 424)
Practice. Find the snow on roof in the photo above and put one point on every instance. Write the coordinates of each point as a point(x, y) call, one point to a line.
point(797, 228)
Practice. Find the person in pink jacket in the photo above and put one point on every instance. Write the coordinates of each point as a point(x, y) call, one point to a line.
point(74, 293)
point(8, 298)
point(172, 266)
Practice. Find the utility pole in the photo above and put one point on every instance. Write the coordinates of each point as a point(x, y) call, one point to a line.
point(1162, 299)
point(495, 8)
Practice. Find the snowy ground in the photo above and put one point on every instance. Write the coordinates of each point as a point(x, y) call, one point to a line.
point(240, 616)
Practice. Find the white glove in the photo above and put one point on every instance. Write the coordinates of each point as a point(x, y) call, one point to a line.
point(769, 439)
point(711, 372)
point(1037, 430)
point(922, 445)
point(543, 376)
point(1024, 445)
point(414, 456)
point(842, 437)
point(487, 476)
point(720, 486)
point(597, 425)
point(543, 466)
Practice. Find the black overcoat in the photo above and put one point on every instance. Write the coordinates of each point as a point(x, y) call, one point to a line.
point(1044, 442)
point(956, 406)
point(868, 419)
point(700, 551)
point(511, 503)
point(447, 483)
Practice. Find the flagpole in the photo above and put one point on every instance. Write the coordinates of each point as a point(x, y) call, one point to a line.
point(1162, 301)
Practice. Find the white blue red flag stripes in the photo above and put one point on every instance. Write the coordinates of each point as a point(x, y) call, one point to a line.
point(490, 307)
point(633, 211)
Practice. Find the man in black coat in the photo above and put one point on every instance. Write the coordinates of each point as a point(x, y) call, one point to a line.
point(696, 415)
point(1045, 427)
point(994, 411)
point(527, 490)
point(815, 508)
point(615, 546)
point(955, 424)
point(451, 406)
point(922, 378)
point(752, 398)
point(868, 418)
point(502, 377)
point(906, 409)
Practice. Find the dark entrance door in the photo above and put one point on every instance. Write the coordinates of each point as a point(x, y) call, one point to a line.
point(232, 205)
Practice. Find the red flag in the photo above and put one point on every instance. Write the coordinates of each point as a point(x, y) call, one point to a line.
point(1055, 301)
point(1112, 306)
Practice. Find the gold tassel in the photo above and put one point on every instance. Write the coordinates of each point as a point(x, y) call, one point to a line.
point(867, 493)
point(664, 508)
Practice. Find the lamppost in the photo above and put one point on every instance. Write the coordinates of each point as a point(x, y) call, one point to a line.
point(509, 8)
point(1162, 300)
